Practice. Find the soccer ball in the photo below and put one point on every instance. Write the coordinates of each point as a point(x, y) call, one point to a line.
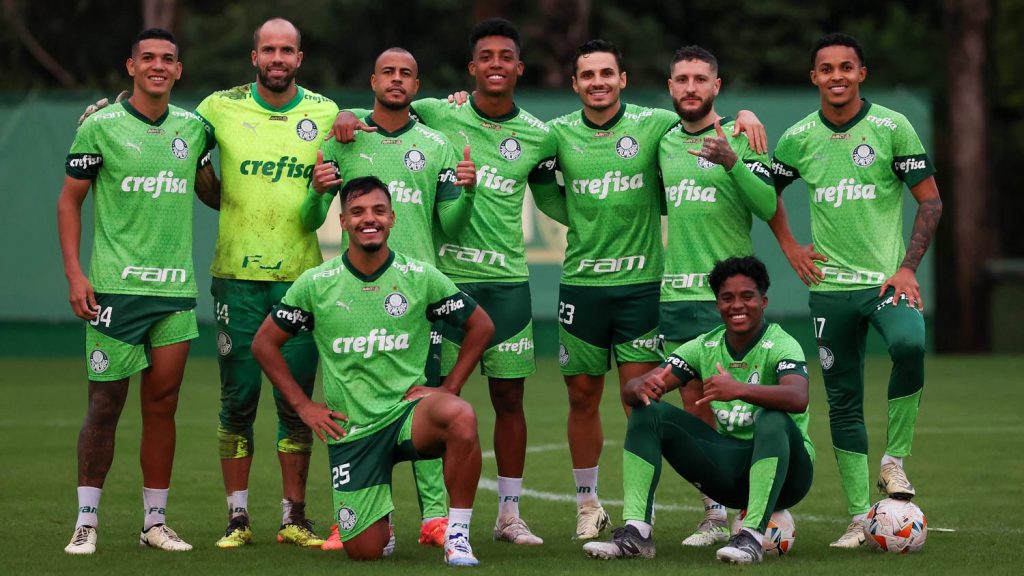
point(896, 526)
point(779, 536)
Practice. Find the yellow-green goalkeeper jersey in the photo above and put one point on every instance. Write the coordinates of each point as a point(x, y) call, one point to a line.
point(510, 152)
point(771, 356)
point(143, 174)
point(267, 156)
point(613, 196)
point(709, 208)
point(417, 165)
point(372, 332)
point(855, 175)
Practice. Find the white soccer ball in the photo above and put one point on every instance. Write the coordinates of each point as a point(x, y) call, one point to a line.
point(896, 526)
point(779, 535)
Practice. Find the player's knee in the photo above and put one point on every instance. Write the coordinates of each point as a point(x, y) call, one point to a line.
point(769, 423)
point(907, 348)
point(583, 401)
point(461, 420)
point(507, 396)
point(296, 442)
point(234, 444)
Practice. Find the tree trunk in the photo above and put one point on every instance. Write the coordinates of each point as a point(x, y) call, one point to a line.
point(974, 231)
point(159, 14)
point(565, 24)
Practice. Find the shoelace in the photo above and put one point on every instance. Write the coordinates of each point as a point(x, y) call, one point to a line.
point(459, 543)
point(169, 533)
point(81, 536)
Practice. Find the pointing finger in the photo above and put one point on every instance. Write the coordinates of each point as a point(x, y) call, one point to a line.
point(718, 128)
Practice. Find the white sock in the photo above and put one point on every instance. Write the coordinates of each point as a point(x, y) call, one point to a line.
point(238, 503)
point(509, 490)
point(642, 527)
point(88, 506)
point(586, 485)
point(458, 522)
point(757, 535)
point(713, 509)
point(859, 518)
point(154, 501)
point(886, 459)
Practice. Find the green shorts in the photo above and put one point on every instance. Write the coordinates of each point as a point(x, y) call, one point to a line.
point(684, 320)
point(510, 351)
point(361, 474)
point(118, 341)
point(597, 322)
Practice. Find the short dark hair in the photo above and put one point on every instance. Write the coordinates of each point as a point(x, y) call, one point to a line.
point(153, 34)
point(361, 186)
point(493, 27)
point(837, 39)
point(256, 32)
point(748, 266)
point(687, 53)
point(597, 45)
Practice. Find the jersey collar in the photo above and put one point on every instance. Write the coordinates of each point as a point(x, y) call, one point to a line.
point(722, 121)
point(609, 123)
point(376, 274)
point(131, 110)
point(853, 121)
point(503, 118)
point(299, 94)
point(408, 126)
point(740, 354)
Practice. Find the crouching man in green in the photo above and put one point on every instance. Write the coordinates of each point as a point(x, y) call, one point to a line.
point(370, 311)
point(748, 381)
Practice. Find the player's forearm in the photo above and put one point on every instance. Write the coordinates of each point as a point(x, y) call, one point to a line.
point(453, 215)
point(478, 332)
point(208, 187)
point(929, 210)
point(314, 209)
point(69, 232)
point(788, 397)
point(759, 196)
point(779, 225)
point(551, 201)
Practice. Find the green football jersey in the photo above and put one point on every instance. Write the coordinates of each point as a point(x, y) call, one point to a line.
point(267, 156)
point(855, 175)
point(418, 166)
point(772, 356)
point(510, 152)
point(143, 175)
point(613, 196)
point(372, 332)
point(709, 209)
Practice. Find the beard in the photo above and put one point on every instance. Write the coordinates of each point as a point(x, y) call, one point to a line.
point(278, 85)
point(392, 105)
point(694, 115)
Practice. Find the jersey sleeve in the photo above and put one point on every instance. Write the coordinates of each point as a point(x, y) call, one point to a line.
point(788, 357)
point(547, 194)
point(454, 204)
point(85, 158)
point(784, 171)
point(293, 314)
point(910, 162)
point(685, 361)
point(753, 177)
point(315, 205)
point(664, 120)
point(447, 302)
point(429, 111)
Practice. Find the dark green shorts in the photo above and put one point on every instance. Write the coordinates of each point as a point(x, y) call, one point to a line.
point(361, 474)
point(510, 351)
point(118, 341)
point(684, 320)
point(598, 322)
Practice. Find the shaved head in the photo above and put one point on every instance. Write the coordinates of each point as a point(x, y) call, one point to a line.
point(393, 50)
point(278, 24)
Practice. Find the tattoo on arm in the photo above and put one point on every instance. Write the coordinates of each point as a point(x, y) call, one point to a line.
point(927, 219)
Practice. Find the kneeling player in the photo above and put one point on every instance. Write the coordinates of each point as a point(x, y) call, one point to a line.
point(753, 377)
point(370, 311)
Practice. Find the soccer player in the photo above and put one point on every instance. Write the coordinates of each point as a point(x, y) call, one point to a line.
point(370, 312)
point(713, 186)
point(140, 156)
point(608, 297)
point(269, 133)
point(487, 260)
point(430, 188)
point(748, 379)
point(855, 157)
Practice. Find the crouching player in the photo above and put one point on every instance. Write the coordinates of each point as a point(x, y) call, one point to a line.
point(748, 380)
point(370, 311)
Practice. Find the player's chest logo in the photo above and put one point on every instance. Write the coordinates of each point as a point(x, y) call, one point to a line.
point(627, 147)
point(396, 304)
point(863, 155)
point(415, 160)
point(510, 149)
point(704, 163)
point(179, 148)
point(306, 129)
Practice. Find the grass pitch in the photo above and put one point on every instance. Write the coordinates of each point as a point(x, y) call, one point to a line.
point(967, 468)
